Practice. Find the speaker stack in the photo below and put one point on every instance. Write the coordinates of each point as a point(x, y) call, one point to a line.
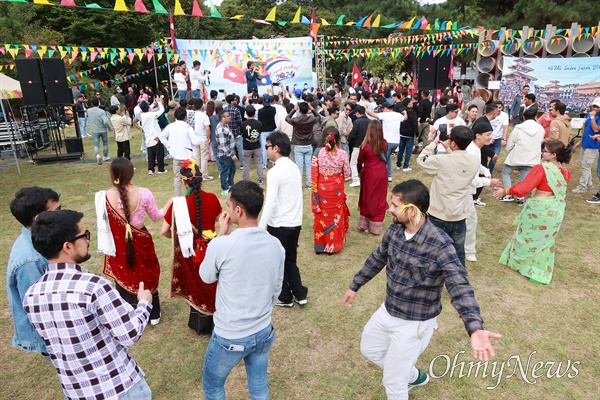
point(433, 72)
point(44, 82)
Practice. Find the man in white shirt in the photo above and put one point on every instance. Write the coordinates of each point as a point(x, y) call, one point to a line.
point(500, 132)
point(179, 138)
point(114, 100)
point(282, 214)
point(147, 122)
point(197, 79)
point(202, 130)
point(181, 82)
point(391, 121)
point(450, 120)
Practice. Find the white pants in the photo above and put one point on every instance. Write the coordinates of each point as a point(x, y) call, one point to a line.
point(588, 156)
point(471, 236)
point(354, 163)
point(202, 152)
point(404, 341)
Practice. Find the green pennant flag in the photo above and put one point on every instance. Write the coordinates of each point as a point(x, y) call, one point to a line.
point(158, 8)
point(93, 5)
point(455, 26)
point(282, 23)
point(388, 26)
point(17, 1)
point(436, 24)
point(340, 20)
point(214, 13)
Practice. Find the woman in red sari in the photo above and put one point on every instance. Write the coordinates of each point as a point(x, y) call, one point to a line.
point(329, 168)
point(190, 221)
point(372, 202)
point(128, 247)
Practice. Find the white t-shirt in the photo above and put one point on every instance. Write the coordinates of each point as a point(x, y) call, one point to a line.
point(201, 121)
point(196, 78)
point(498, 125)
point(458, 121)
point(391, 125)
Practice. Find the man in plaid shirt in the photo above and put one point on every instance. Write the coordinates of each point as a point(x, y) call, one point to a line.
point(420, 259)
point(83, 320)
point(226, 157)
point(235, 123)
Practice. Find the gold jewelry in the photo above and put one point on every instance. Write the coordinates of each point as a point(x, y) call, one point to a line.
point(116, 181)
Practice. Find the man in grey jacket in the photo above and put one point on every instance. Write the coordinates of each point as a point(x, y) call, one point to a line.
point(99, 125)
point(303, 135)
point(248, 265)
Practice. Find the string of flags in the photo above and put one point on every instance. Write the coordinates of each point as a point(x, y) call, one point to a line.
point(416, 50)
point(95, 85)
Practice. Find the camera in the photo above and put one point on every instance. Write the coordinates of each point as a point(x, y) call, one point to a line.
point(222, 90)
point(206, 72)
point(276, 83)
point(443, 132)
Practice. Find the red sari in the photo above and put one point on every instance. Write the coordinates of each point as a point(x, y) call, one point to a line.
point(185, 278)
point(372, 201)
point(146, 267)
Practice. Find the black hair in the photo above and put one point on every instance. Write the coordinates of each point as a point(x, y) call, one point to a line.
point(525, 86)
point(530, 96)
point(444, 100)
point(114, 109)
point(563, 153)
point(303, 107)
point(196, 63)
point(194, 181)
point(359, 109)
point(406, 101)
point(387, 93)
point(249, 63)
point(462, 136)
point(221, 114)
point(250, 110)
point(144, 106)
point(490, 108)
point(213, 94)
point(451, 107)
point(530, 113)
point(229, 98)
point(414, 192)
point(180, 114)
point(29, 202)
point(281, 140)
point(330, 130)
point(121, 174)
point(52, 229)
point(95, 102)
point(499, 103)
point(561, 108)
point(425, 93)
point(472, 106)
point(289, 106)
point(183, 103)
point(249, 196)
point(198, 103)
point(333, 110)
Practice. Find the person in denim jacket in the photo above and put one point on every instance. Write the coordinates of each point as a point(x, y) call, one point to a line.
point(25, 264)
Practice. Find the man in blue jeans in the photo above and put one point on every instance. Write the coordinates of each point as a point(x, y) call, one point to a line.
point(302, 138)
point(225, 152)
point(248, 265)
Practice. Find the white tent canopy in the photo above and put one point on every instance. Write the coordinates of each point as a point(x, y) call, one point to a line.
point(9, 89)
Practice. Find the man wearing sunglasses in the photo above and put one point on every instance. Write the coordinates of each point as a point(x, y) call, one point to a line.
point(84, 321)
point(25, 265)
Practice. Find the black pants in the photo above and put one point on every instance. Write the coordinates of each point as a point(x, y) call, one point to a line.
point(156, 154)
point(292, 282)
point(123, 149)
point(132, 299)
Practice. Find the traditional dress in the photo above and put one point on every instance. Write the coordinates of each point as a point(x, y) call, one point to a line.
point(532, 247)
point(372, 201)
point(186, 282)
point(328, 171)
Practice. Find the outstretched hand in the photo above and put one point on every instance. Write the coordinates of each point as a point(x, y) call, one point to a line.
point(348, 298)
point(482, 345)
point(498, 192)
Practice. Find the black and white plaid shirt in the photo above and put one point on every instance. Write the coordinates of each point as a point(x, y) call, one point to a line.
point(87, 327)
point(417, 270)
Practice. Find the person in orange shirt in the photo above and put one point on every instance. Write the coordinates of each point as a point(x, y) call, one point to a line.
point(547, 118)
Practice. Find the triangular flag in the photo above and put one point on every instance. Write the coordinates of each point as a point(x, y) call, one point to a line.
point(323, 22)
point(367, 22)
point(376, 23)
point(361, 21)
point(93, 6)
point(140, 7)
point(178, 9)
point(68, 3)
point(304, 20)
point(296, 17)
point(43, 2)
point(158, 8)
point(340, 20)
point(271, 16)
point(196, 10)
point(423, 23)
point(214, 13)
point(120, 6)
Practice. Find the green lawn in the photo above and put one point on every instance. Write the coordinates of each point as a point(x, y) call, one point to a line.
point(317, 350)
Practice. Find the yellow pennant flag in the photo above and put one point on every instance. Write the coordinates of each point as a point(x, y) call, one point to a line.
point(323, 22)
point(296, 19)
point(178, 9)
point(238, 17)
point(376, 23)
point(271, 16)
point(120, 5)
point(160, 56)
point(42, 50)
point(139, 53)
point(13, 52)
point(43, 2)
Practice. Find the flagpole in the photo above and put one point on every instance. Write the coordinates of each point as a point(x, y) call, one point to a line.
point(155, 71)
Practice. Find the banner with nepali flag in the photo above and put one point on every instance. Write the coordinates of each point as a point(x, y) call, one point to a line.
point(356, 75)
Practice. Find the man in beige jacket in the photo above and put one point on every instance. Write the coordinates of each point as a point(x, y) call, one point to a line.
point(450, 190)
point(560, 127)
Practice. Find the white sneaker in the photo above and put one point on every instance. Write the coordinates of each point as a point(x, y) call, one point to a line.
point(98, 159)
point(389, 178)
point(507, 198)
point(471, 258)
point(579, 189)
point(207, 178)
point(162, 172)
point(156, 321)
point(355, 184)
point(407, 169)
point(479, 203)
point(398, 168)
point(106, 158)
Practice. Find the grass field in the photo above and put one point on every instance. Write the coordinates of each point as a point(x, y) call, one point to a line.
point(316, 353)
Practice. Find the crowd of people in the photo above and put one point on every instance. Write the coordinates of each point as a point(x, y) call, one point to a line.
point(232, 279)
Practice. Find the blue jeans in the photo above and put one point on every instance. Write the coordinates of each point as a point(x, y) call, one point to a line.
point(83, 126)
point(96, 137)
point(263, 142)
point(405, 151)
point(139, 391)
point(215, 148)
point(302, 157)
point(196, 94)
point(390, 150)
point(507, 171)
point(239, 147)
point(224, 354)
point(346, 149)
point(227, 171)
point(182, 94)
point(457, 230)
point(496, 146)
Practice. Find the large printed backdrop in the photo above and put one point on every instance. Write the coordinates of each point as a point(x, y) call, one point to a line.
point(287, 61)
point(574, 81)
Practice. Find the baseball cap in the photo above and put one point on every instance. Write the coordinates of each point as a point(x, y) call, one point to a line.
point(298, 92)
point(266, 100)
point(596, 102)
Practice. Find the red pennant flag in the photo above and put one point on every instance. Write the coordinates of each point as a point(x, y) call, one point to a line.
point(172, 28)
point(140, 7)
point(313, 20)
point(356, 75)
point(196, 10)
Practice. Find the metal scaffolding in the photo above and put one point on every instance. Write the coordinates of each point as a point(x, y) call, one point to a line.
point(319, 53)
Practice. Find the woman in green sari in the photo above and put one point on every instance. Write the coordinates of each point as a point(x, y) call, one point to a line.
point(532, 247)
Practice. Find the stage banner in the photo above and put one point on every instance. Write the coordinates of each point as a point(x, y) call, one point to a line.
point(287, 61)
point(573, 81)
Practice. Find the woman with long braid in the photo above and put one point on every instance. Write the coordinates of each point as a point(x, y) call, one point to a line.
point(129, 256)
point(190, 222)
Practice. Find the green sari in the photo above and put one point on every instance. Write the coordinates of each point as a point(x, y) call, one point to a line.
point(532, 247)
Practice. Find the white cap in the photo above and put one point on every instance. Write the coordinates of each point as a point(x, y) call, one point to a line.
point(596, 102)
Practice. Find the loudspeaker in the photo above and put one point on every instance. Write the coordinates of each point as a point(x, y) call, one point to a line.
point(443, 68)
point(73, 145)
point(30, 78)
point(426, 78)
point(55, 78)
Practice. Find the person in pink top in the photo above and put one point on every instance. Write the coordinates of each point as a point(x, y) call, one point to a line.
point(134, 260)
point(546, 118)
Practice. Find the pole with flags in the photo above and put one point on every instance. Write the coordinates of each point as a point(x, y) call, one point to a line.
point(174, 47)
point(356, 75)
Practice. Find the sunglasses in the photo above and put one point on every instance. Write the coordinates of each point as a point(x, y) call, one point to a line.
point(267, 146)
point(87, 235)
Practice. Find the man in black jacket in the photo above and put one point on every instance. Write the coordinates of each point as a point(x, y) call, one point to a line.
point(409, 129)
point(424, 114)
point(356, 137)
point(266, 116)
point(302, 138)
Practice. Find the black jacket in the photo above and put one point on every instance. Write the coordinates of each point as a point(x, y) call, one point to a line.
point(358, 132)
point(410, 127)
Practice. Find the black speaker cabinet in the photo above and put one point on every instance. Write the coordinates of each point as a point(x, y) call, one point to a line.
point(30, 78)
point(55, 78)
point(443, 69)
point(73, 145)
point(426, 78)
